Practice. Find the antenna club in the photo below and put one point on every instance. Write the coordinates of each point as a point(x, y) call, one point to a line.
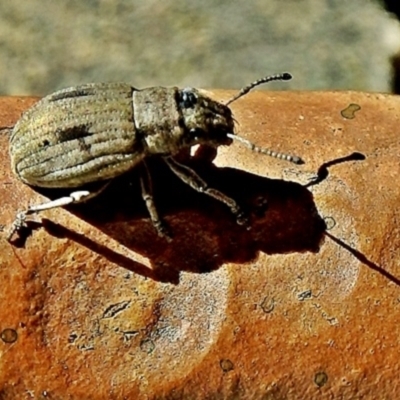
point(286, 76)
point(297, 160)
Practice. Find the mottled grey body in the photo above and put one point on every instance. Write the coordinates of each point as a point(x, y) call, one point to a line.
point(76, 136)
point(96, 132)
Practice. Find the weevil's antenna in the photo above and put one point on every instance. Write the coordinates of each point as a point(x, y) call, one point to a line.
point(262, 150)
point(278, 77)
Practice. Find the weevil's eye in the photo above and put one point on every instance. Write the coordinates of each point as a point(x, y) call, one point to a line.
point(187, 99)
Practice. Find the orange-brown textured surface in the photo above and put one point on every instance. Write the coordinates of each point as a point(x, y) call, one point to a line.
point(95, 306)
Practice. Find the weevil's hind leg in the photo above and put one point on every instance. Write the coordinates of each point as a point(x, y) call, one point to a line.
point(147, 195)
point(75, 197)
point(192, 179)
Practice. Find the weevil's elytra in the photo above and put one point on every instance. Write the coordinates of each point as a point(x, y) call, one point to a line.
point(67, 140)
point(96, 132)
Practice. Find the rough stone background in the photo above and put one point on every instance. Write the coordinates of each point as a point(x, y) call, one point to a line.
point(326, 44)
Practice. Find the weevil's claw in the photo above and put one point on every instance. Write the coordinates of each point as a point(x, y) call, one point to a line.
point(18, 224)
point(242, 219)
point(163, 231)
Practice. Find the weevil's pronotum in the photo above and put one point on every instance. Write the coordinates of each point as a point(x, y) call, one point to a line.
point(98, 131)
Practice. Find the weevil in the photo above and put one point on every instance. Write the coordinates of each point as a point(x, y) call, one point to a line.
point(96, 132)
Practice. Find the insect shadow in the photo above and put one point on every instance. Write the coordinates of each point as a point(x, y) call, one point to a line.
point(364, 259)
point(323, 172)
point(282, 215)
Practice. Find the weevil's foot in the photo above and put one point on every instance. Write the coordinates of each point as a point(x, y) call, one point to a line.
point(242, 218)
point(163, 230)
point(18, 225)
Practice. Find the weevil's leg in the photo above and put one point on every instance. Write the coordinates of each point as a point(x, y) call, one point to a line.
point(192, 179)
point(147, 195)
point(75, 197)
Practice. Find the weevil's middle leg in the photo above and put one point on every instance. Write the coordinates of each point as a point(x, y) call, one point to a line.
point(191, 178)
point(75, 197)
point(147, 195)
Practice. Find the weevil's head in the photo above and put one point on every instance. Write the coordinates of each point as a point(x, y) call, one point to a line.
point(205, 120)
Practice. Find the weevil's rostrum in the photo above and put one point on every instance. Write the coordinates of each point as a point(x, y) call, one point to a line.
point(98, 131)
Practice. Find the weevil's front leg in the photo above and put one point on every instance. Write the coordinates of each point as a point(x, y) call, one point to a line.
point(147, 195)
point(75, 197)
point(192, 179)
